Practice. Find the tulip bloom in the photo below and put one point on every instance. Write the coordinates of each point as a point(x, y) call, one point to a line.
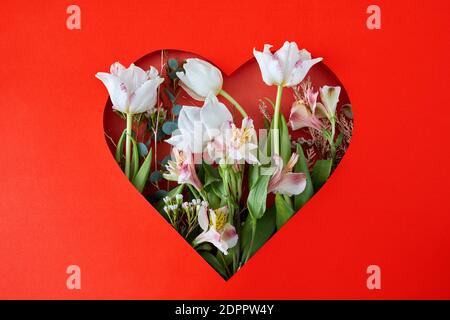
point(132, 90)
point(200, 78)
point(216, 229)
point(285, 181)
point(197, 127)
point(182, 169)
point(287, 67)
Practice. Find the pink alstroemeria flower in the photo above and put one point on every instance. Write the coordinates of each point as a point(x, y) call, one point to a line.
point(303, 113)
point(216, 229)
point(285, 181)
point(182, 169)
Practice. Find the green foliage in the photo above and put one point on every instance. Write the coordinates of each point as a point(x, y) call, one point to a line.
point(284, 210)
point(321, 172)
point(265, 227)
point(285, 140)
point(119, 149)
point(256, 201)
point(302, 166)
point(141, 176)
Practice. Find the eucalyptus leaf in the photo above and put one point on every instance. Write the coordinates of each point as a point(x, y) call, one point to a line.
point(173, 64)
point(141, 176)
point(169, 126)
point(284, 210)
point(321, 172)
point(256, 201)
point(155, 176)
point(176, 109)
point(302, 166)
point(143, 150)
point(169, 95)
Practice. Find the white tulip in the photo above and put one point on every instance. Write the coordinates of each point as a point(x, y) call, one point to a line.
point(200, 78)
point(287, 67)
point(198, 126)
point(132, 90)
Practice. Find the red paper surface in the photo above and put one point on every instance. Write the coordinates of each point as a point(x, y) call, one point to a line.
point(64, 201)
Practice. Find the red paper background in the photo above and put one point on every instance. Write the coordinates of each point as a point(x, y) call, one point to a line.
point(64, 201)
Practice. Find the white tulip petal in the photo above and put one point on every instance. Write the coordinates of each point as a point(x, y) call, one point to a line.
point(214, 115)
point(133, 77)
point(300, 71)
point(116, 89)
point(145, 97)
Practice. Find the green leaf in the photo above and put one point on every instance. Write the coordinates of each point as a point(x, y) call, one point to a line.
point(321, 173)
point(141, 177)
point(284, 210)
point(256, 201)
point(169, 127)
point(253, 175)
point(213, 262)
point(173, 64)
point(285, 140)
point(134, 158)
point(302, 166)
point(210, 174)
point(119, 149)
point(143, 150)
point(339, 139)
point(265, 227)
point(155, 176)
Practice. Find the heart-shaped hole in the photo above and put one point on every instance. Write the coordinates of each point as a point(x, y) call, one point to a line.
point(317, 158)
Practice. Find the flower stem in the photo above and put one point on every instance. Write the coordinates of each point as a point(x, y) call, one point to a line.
point(128, 145)
point(252, 239)
point(224, 94)
point(276, 119)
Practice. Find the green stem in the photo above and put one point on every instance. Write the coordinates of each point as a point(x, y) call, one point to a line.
point(224, 94)
point(276, 119)
point(128, 145)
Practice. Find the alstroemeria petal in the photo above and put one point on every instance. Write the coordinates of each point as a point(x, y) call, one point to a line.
point(229, 235)
point(291, 184)
point(203, 220)
point(116, 89)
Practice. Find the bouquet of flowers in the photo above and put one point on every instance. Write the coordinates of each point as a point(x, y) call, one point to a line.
point(228, 188)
